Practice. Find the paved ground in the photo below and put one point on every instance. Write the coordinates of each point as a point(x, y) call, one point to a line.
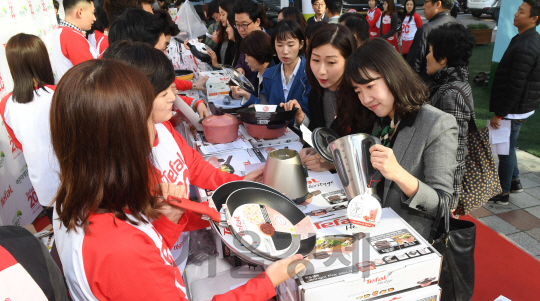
point(519, 221)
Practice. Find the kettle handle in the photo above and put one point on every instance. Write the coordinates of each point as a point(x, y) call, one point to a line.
point(375, 175)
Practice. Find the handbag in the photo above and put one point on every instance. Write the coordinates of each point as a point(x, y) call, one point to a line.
point(481, 180)
point(455, 240)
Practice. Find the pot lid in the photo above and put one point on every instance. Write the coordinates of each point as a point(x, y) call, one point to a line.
point(322, 137)
point(239, 79)
point(220, 119)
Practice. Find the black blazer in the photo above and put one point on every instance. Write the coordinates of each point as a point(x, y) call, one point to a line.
point(516, 85)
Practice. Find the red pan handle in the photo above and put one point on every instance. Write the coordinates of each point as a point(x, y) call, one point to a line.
point(195, 207)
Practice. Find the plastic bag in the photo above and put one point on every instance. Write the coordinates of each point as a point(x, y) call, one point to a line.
point(188, 20)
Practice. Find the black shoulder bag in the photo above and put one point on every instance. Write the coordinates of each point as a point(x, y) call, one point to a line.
point(455, 240)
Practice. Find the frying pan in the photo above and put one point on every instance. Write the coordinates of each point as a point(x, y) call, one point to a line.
point(274, 200)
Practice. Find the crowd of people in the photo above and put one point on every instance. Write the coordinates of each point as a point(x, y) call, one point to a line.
point(102, 155)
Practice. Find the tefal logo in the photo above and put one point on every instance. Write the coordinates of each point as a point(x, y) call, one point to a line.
point(6, 195)
point(265, 108)
point(376, 279)
point(330, 224)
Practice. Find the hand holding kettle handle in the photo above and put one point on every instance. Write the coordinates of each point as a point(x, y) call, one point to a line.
point(375, 175)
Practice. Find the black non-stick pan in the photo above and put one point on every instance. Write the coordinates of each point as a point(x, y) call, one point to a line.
point(222, 193)
point(284, 207)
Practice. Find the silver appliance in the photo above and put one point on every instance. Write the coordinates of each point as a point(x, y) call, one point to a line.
point(284, 171)
point(352, 159)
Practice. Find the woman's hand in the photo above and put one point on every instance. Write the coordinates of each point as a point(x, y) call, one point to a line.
point(186, 44)
point(173, 213)
point(200, 84)
point(238, 93)
point(291, 105)
point(255, 176)
point(241, 70)
point(280, 271)
point(384, 160)
point(215, 36)
point(311, 159)
point(202, 110)
point(213, 56)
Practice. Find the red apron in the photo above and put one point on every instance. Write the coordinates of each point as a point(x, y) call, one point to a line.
point(386, 26)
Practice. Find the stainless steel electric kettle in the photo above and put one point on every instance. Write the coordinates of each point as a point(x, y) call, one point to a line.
point(351, 157)
point(284, 171)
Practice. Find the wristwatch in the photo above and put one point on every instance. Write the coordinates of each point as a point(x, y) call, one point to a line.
point(194, 85)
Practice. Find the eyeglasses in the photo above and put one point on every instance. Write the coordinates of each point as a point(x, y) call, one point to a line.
point(243, 26)
point(318, 4)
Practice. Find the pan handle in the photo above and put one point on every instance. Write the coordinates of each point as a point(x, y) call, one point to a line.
point(195, 207)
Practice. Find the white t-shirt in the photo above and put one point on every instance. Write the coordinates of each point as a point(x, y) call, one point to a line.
point(29, 127)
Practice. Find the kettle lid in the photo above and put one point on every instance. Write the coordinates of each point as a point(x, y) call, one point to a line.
point(322, 137)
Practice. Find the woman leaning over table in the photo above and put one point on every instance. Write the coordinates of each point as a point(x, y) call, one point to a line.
point(418, 151)
point(113, 231)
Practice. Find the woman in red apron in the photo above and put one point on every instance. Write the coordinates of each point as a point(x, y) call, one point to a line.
point(373, 17)
point(389, 24)
point(411, 22)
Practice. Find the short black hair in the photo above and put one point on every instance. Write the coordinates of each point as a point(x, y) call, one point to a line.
point(346, 16)
point(454, 42)
point(150, 61)
point(56, 4)
point(535, 9)
point(312, 28)
point(359, 27)
point(69, 4)
point(446, 4)
point(164, 18)
point(212, 8)
point(334, 6)
point(258, 45)
point(313, 2)
point(294, 13)
point(102, 22)
point(137, 25)
point(249, 7)
point(289, 28)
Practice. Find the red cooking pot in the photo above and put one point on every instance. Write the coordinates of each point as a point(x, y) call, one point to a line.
point(220, 127)
point(269, 131)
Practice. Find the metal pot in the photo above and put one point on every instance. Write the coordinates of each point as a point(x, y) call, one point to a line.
point(220, 127)
point(351, 156)
point(284, 171)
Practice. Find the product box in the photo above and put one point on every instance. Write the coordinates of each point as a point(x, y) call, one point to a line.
point(288, 137)
point(353, 262)
point(221, 283)
point(217, 84)
point(327, 199)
